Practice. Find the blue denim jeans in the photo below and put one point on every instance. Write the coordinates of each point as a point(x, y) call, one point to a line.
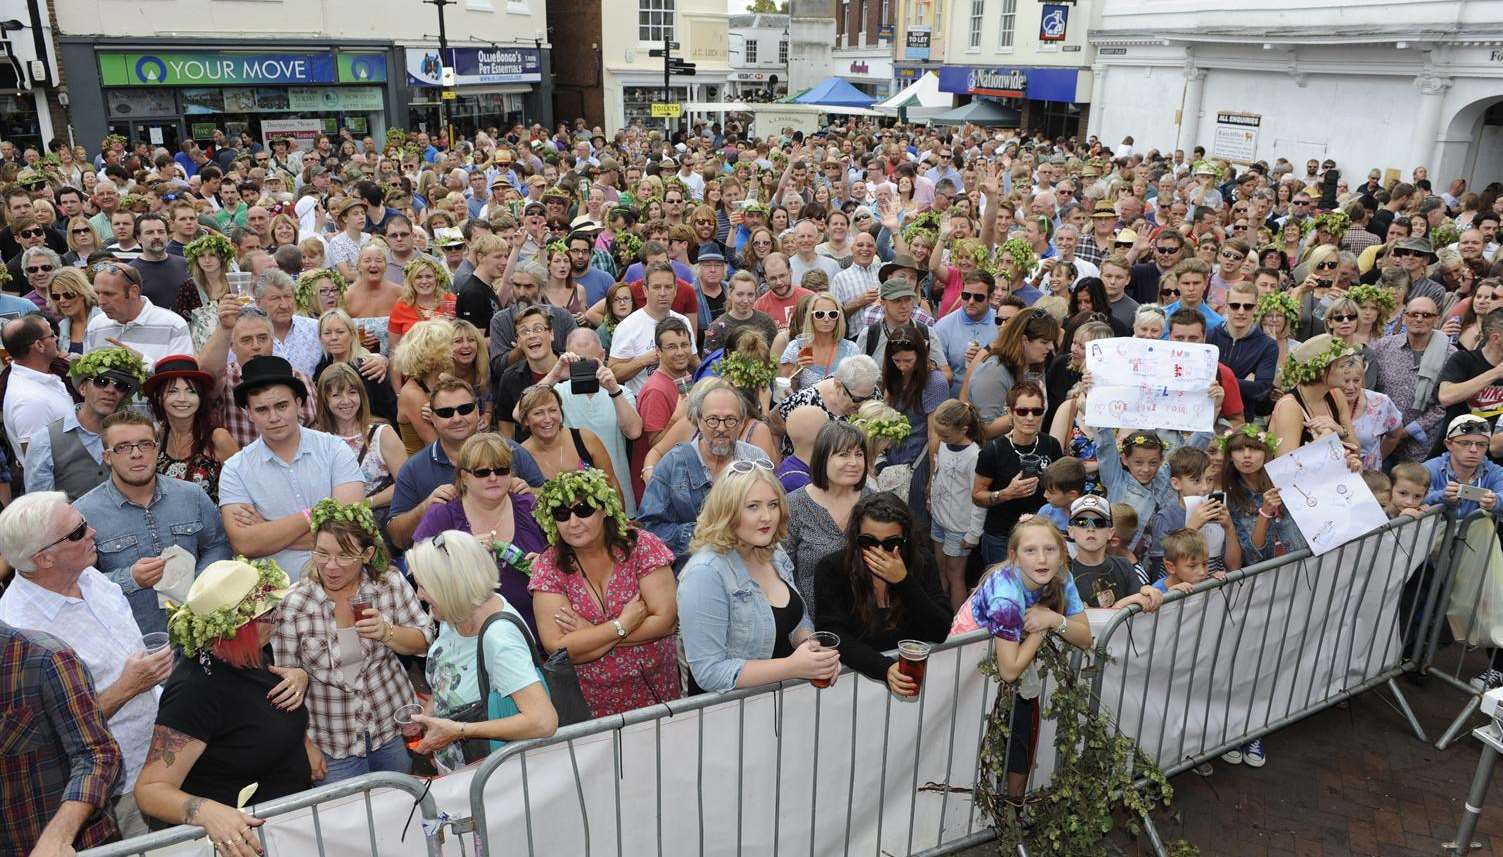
point(391, 756)
point(993, 549)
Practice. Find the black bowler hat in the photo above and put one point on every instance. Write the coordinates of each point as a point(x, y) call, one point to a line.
point(262, 372)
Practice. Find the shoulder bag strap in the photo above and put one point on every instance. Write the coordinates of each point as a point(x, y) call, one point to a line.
point(532, 645)
point(483, 678)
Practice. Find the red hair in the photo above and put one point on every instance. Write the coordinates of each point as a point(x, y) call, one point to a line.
point(243, 650)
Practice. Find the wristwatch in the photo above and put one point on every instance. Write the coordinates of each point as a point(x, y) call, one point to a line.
point(1064, 623)
point(620, 629)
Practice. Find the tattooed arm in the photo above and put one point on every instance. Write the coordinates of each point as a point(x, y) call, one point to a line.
point(159, 794)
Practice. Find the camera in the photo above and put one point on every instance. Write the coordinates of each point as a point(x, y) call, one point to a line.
point(582, 380)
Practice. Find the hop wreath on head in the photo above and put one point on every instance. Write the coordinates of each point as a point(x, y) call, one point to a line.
point(1265, 438)
point(744, 372)
point(1445, 234)
point(1296, 372)
point(1368, 295)
point(925, 223)
point(212, 242)
point(557, 247)
point(441, 272)
point(104, 359)
point(359, 514)
point(1335, 222)
point(627, 247)
point(1021, 253)
point(195, 633)
point(1278, 303)
point(897, 429)
point(570, 487)
point(305, 292)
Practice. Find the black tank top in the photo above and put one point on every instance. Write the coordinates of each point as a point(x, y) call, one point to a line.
point(1330, 399)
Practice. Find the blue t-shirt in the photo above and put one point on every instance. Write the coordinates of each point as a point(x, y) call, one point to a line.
point(1002, 599)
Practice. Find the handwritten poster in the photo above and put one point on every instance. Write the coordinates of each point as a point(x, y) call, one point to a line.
point(1150, 384)
point(1330, 504)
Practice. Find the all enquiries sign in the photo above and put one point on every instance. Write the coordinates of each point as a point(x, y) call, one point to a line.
point(1236, 136)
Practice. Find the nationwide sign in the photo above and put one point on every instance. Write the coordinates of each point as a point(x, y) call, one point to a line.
point(996, 81)
point(1036, 83)
point(475, 65)
point(198, 68)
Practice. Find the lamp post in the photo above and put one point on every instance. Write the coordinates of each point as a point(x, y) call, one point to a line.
point(443, 57)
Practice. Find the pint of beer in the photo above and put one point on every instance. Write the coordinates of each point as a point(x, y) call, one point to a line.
point(913, 661)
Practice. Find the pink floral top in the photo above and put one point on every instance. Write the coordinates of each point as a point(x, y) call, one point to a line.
point(1380, 417)
point(626, 677)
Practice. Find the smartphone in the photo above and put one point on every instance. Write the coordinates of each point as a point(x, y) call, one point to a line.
point(582, 380)
point(1217, 497)
point(1472, 492)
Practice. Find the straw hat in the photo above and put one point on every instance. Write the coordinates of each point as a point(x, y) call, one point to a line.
point(225, 597)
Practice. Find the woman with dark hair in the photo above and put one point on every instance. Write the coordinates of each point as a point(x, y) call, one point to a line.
point(1088, 300)
point(192, 449)
point(757, 247)
point(820, 512)
point(913, 388)
point(1010, 467)
point(1020, 352)
point(882, 588)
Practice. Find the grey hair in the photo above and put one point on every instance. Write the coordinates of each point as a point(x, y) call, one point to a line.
point(1067, 227)
point(1347, 257)
point(702, 391)
point(532, 269)
point(45, 251)
point(25, 524)
point(255, 313)
point(273, 278)
point(858, 373)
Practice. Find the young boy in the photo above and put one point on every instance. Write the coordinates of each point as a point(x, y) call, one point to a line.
point(1136, 475)
point(1411, 482)
point(1382, 487)
point(1063, 482)
point(1124, 524)
point(1188, 475)
point(1103, 580)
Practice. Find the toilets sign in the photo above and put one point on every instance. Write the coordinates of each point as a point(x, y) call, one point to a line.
point(207, 69)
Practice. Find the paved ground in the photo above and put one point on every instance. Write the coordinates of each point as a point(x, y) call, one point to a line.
point(1350, 782)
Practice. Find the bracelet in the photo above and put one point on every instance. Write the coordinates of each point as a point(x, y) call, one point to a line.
point(1263, 514)
point(617, 394)
point(1064, 623)
point(391, 631)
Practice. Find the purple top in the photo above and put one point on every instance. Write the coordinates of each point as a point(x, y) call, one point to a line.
point(793, 473)
point(528, 538)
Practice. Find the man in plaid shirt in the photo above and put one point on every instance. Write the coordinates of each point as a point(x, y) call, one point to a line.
point(245, 332)
point(61, 765)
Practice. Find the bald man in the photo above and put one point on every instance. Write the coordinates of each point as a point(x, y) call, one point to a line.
point(803, 426)
point(610, 412)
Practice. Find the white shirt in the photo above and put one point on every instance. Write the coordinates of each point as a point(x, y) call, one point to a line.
point(101, 629)
point(799, 267)
point(154, 332)
point(695, 183)
point(634, 337)
point(32, 400)
point(301, 348)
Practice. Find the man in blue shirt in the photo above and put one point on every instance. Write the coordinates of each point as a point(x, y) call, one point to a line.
point(136, 515)
point(581, 243)
point(1192, 276)
point(974, 325)
point(1465, 464)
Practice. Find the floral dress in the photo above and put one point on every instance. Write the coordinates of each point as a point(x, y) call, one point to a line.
point(626, 677)
point(1379, 417)
point(201, 468)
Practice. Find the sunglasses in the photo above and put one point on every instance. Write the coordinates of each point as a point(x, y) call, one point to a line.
point(855, 398)
point(1028, 412)
point(1341, 318)
point(125, 271)
point(1241, 306)
point(887, 545)
point(746, 465)
point(58, 298)
point(462, 410)
point(31, 232)
point(824, 314)
point(1421, 314)
point(82, 231)
point(974, 297)
point(1089, 522)
point(37, 269)
point(102, 382)
point(487, 472)
point(74, 535)
point(1326, 266)
point(582, 509)
point(1401, 254)
point(1174, 293)
point(1165, 250)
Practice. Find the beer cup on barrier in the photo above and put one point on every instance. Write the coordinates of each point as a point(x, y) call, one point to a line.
point(913, 662)
point(825, 640)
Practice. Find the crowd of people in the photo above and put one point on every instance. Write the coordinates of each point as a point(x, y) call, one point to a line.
point(314, 457)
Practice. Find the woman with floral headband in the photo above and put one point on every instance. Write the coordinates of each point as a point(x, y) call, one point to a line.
point(604, 591)
point(1314, 407)
point(318, 291)
point(209, 259)
point(426, 294)
point(1278, 315)
point(217, 730)
point(344, 623)
point(561, 290)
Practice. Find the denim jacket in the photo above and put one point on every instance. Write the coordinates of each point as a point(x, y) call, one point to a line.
point(180, 514)
point(677, 491)
point(1281, 530)
point(724, 616)
point(1121, 487)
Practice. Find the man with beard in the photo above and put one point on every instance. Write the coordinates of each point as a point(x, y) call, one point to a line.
point(682, 480)
point(162, 274)
point(137, 515)
point(66, 455)
point(595, 281)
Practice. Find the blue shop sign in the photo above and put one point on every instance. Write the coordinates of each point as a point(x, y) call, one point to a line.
point(475, 65)
point(1036, 84)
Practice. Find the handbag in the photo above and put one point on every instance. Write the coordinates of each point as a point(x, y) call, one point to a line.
point(560, 678)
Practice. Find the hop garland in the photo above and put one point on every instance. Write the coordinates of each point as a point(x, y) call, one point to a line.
point(1445, 234)
point(570, 487)
point(556, 247)
point(1265, 438)
point(131, 200)
point(212, 242)
point(972, 249)
point(895, 429)
point(926, 221)
point(556, 192)
point(1369, 295)
point(419, 262)
point(1278, 303)
point(1314, 369)
point(1219, 170)
point(1021, 253)
point(626, 248)
point(359, 514)
point(744, 372)
point(101, 360)
point(1335, 222)
point(111, 140)
point(194, 633)
point(306, 290)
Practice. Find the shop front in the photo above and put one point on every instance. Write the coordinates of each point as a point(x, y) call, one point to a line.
point(163, 96)
point(867, 70)
point(493, 86)
point(1052, 100)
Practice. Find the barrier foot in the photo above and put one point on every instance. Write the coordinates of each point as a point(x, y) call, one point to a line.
point(1473, 808)
point(1398, 696)
point(1459, 723)
point(1156, 841)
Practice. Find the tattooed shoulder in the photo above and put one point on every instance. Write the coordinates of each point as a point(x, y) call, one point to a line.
point(166, 743)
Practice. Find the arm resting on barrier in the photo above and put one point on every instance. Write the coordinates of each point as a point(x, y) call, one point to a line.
point(1014, 658)
point(57, 837)
point(160, 795)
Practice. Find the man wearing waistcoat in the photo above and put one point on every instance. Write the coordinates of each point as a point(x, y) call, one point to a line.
point(68, 454)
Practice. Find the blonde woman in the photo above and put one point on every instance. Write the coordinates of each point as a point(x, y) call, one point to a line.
point(470, 363)
point(209, 258)
point(318, 291)
point(82, 241)
point(72, 298)
point(371, 297)
point(813, 355)
point(340, 338)
point(557, 448)
point(344, 411)
point(426, 354)
point(426, 294)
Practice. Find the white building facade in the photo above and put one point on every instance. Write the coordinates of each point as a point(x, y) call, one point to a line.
point(633, 79)
point(1383, 85)
point(758, 56)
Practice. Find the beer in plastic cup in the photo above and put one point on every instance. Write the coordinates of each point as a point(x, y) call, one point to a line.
point(360, 607)
point(412, 732)
point(825, 640)
point(913, 661)
point(154, 642)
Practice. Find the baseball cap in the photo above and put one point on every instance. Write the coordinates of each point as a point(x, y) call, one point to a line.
point(896, 289)
point(1090, 504)
point(1468, 424)
point(541, 209)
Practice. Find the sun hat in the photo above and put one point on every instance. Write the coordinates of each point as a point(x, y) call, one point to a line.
point(225, 596)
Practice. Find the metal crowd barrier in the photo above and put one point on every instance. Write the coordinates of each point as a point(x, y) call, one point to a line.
point(1269, 646)
point(423, 828)
point(1456, 627)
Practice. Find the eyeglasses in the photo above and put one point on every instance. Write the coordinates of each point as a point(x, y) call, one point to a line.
point(582, 509)
point(747, 465)
point(974, 297)
point(74, 535)
point(1338, 319)
point(145, 447)
point(853, 397)
point(721, 422)
point(343, 560)
point(887, 545)
point(38, 269)
point(1089, 522)
point(102, 382)
point(487, 472)
point(826, 314)
point(1028, 412)
point(462, 410)
point(1241, 306)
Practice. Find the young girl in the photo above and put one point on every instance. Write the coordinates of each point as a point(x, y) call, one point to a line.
point(956, 523)
point(1020, 603)
point(1257, 509)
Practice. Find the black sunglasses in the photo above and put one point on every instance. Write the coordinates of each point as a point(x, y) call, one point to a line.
point(1326, 266)
point(975, 297)
point(74, 535)
point(1028, 412)
point(462, 410)
point(888, 545)
point(1089, 522)
point(37, 269)
point(1173, 292)
point(485, 472)
point(1341, 318)
point(30, 232)
point(1239, 306)
point(102, 381)
point(581, 509)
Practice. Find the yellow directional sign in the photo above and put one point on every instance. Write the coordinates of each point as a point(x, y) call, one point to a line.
point(667, 111)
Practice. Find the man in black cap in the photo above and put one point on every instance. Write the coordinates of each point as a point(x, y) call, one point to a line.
point(899, 307)
point(267, 488)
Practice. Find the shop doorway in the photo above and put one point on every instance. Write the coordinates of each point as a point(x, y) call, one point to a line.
point(163, 132)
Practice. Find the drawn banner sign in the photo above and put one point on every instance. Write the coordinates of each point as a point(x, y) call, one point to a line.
point(1330, 504)
point(1150, 384)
